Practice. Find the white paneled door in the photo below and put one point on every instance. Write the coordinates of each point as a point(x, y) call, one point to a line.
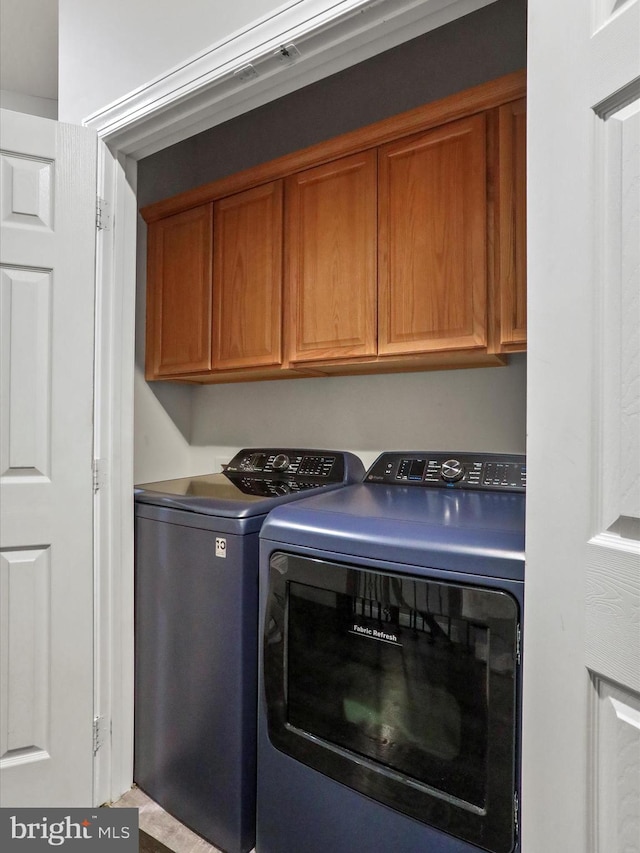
point(47, 275)
point(581, 734)
point(612, 594)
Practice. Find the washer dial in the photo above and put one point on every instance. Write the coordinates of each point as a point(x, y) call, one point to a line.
point(452, 470)
point(281, 462)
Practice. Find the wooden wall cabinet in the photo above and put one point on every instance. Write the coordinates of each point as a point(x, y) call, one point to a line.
point(400, 246)
point(179, 265)
point(433, 237)
point(214, 287)
point(331, 260)
point(247, 278)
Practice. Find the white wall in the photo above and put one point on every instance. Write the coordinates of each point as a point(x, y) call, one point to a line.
point(108, 49)
point(21, 103)
point(481, 409)
point(29, 56)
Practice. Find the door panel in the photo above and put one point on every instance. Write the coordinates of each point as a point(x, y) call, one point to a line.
point(179, 293)
point(26, 352)
point(432, 240)
point(617, 746)
point(46, 442)
point(247, 278)
point(24, 629)
point(331, 259)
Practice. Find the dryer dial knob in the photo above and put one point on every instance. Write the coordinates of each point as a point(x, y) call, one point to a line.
point(281, 462)
point(452, 470)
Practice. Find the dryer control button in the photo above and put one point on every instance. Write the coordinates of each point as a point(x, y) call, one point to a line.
point(452, 470)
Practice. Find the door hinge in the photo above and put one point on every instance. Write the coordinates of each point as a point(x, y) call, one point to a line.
point(103, 215)
point(99, 477)
point(516, 814)
point(100, 731)
point(518, 645)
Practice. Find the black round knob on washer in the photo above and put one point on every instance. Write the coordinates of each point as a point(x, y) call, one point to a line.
point(281, 462)
point(282, 489)
point(452, 470)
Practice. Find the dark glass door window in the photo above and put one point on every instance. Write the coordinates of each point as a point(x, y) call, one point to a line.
point(403, 688)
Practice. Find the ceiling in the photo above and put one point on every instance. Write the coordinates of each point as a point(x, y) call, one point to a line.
point(29, 47)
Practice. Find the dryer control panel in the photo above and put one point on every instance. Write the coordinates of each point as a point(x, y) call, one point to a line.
point(453, 470)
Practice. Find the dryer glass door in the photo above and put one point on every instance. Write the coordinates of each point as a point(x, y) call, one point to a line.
point(401, 687)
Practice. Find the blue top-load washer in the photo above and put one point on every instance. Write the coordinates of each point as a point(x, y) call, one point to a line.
point(389, 704)
point(196, 590)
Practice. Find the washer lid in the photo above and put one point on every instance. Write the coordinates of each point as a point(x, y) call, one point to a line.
point(224, 487)
point(255, 481)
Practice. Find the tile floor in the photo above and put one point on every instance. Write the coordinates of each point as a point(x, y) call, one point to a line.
point(155, 821)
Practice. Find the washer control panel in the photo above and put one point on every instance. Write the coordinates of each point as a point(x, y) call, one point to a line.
point(454, 470)
point(290, 464)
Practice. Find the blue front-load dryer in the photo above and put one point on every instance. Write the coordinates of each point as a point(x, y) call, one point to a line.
point(389, 688)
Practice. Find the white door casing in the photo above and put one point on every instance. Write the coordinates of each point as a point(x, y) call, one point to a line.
point(581, 739)
point(47, 279)
point(115, 331)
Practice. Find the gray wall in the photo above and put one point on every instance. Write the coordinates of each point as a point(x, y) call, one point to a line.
point(185, 429)
point(479, 47)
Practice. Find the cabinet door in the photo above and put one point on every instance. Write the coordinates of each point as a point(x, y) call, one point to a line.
point(247, 276)
point(331, 260)
point(179, 294)
point(433, 240)
point(512, 227)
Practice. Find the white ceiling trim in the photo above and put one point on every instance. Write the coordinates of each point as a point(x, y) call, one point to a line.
point(249, 69)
